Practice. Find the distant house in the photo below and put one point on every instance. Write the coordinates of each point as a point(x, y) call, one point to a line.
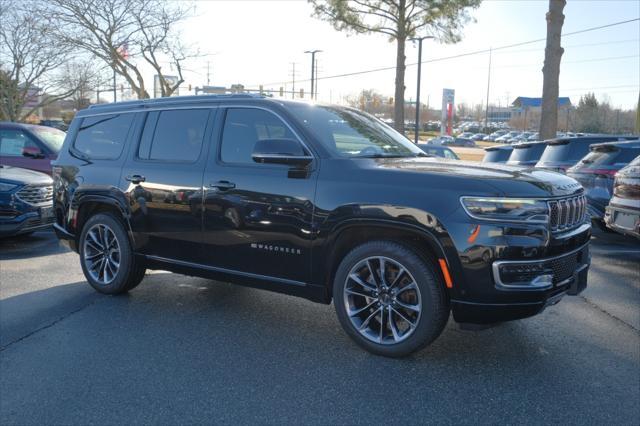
point(526, 111)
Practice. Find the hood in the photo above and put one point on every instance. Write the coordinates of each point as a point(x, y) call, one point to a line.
point(504, 180)
point(21, 176)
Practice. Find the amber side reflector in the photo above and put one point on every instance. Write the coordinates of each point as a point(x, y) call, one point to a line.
point(445, 273)
point(474, 235)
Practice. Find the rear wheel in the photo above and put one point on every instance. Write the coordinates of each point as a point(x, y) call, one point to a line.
point(388, 299)
point(106, 256)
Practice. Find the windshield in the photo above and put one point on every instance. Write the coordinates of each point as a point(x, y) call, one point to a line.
point(496, 156)
point(555, 152)
point(350, 133)
point(53, 138)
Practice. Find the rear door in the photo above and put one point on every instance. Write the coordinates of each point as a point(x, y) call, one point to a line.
point(163, 180)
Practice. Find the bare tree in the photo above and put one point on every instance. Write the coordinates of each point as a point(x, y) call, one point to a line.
point(400, 20)
point(84, 76)
point(29, 63)
point(551, 70)
point(124, 32)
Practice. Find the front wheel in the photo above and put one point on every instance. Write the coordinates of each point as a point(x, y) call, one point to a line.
point(106, 256)
point(388, 299)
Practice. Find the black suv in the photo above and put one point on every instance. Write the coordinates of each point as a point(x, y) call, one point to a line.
point(322, 202)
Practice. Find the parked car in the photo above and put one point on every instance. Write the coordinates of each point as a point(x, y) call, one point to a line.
point(319, 201)
point(623, 212)
point(596, 172)
point(29, 146)
point(562, 153)
point(439, 140)
point(493, 136)
point(57, 124)
point(534, 137)
point(497, 154)
point(509, 135)
point(477, 137)
point(26, 201)
point(459, 142)
point(438, 151)
point(465, 135)
point(526, 153)
point(522, 137)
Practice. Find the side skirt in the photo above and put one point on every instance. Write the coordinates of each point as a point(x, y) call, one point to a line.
point(311, 292)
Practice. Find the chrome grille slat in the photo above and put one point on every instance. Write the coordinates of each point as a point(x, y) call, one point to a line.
point(567, 213)
point(36, 194)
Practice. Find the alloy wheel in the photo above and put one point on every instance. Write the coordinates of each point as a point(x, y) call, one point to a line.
point(382, 300)
point(101, 254)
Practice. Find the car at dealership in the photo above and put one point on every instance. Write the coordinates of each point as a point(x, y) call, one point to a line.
point(438, 151)
point(497, 154)
point(26, 201)
point(319, 201)
point(459, 142)
point(623, 212)
point(596, 172)
point(526, 153)
point(29, 146)
point(493, 136)
point(562, 153)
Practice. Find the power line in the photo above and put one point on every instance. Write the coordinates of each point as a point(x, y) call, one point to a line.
point(472, 53)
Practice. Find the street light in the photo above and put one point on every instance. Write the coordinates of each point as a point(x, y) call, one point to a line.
point(313, 66)
point(419, 40)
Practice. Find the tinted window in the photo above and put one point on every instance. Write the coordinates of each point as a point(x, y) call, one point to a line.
point(528, 153)
point(103, 137)
point(174, 135)
point(12, 142)
point(243, 127)
point(496, 156)
point(555, 153)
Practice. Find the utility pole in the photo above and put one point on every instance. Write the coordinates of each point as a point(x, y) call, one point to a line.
point(316, 76)
point(114, 85)
point(313, 68)
point(486, 110)
point(417, 125)
point(293, 77)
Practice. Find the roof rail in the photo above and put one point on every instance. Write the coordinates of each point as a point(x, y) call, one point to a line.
point(170, 99)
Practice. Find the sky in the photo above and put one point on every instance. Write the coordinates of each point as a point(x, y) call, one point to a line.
point(255, 42)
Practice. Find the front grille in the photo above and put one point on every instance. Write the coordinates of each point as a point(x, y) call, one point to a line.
point(36, 194)
point(567, 213)
point(564, 267)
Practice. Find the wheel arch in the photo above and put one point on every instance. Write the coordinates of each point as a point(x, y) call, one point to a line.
point(349, 235)
point(87, 203)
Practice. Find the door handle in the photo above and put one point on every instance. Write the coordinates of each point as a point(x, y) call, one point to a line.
point(135, 179)
point(223, 185)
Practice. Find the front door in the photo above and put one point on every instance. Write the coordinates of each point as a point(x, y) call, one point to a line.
point(19, 149)
point(163, 180)
point(257, 217)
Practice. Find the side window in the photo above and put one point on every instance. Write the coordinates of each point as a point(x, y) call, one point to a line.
point(449, 154)
point(173, 135)
point(13, 142)
point(243, 127)
point(103, 136)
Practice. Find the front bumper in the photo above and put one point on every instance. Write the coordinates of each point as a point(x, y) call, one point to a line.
point(569, 277)
point(24, 223)
point(623, 220)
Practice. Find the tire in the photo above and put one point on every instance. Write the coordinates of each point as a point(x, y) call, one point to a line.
point(108, 279)
point(358, 306)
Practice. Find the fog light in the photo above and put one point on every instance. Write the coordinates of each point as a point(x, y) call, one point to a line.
point(533, 275)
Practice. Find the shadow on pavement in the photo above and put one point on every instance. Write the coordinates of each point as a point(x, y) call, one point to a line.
point(42, 243)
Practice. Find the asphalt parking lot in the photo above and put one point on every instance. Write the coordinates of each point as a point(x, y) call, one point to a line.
point(182, 350)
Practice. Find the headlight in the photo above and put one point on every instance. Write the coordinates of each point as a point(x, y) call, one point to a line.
point(6, 187)
point(507, 209)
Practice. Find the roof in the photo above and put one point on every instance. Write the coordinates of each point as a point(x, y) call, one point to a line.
point(499, 147)
point(616, 144)
point(524, 102)
point(528, 144)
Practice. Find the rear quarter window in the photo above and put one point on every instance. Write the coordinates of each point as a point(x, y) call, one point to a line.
point(103, 137)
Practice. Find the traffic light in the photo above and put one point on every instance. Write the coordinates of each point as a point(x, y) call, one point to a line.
point(281, 91)
point(301, 93)
point(189, 87)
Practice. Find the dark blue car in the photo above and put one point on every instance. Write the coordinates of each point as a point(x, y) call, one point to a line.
point(26, 201)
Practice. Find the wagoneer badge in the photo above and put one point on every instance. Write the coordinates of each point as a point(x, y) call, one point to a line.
point(269, 247)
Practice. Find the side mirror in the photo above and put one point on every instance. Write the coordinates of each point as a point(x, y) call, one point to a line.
point(30, 152)
point(280, 151)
